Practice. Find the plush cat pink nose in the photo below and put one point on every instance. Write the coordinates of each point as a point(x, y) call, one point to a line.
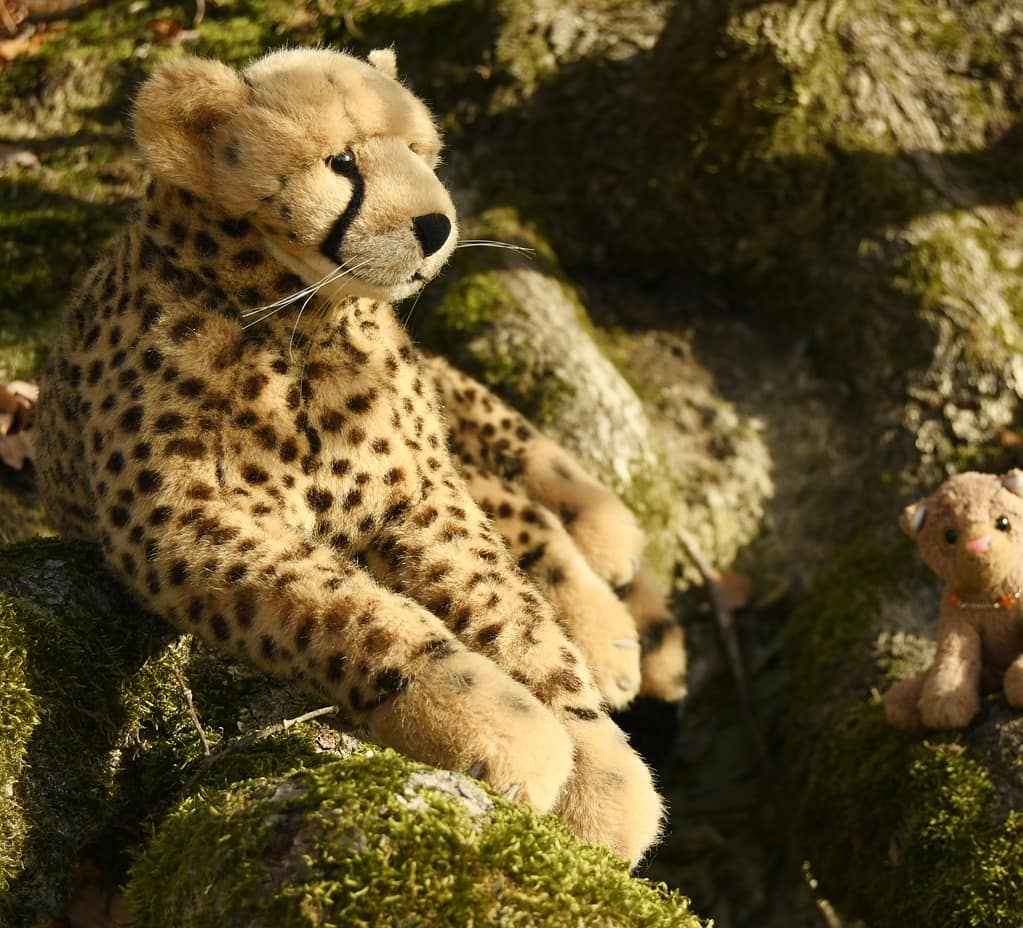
point(979, 545)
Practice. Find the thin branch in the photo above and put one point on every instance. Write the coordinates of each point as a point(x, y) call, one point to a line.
point(244, 740)
point(191, 711)
point(730, 640)
point(349, 19)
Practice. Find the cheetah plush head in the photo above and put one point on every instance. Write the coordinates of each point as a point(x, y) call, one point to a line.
point(328, 156)
point(970, 531)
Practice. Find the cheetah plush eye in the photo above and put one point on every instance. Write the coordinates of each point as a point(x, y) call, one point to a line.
point(343, 164)
point(951, 536)
point(1002, 524)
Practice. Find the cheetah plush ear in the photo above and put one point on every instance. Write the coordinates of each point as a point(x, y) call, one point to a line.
point(385, 60)
point(175, 113)
point(912, 518)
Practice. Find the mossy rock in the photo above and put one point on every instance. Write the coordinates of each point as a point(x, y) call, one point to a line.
point(380, 840)
point(898, 829)
point(96, 737)
point(77, 678)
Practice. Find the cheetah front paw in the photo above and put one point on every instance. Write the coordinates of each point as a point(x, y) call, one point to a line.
point(610, 798)
point(465, 714)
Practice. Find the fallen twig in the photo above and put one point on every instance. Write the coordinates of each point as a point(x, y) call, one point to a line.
point(191, 711)
point(244, 740)
point(726, 628)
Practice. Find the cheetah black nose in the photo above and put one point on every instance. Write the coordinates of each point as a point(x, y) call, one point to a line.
point(432, 230)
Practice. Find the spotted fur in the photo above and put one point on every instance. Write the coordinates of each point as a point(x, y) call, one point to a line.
point(233, 412)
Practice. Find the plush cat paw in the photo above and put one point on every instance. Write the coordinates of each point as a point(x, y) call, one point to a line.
point(1012, 683)
point(951, 709)
point(900, 704)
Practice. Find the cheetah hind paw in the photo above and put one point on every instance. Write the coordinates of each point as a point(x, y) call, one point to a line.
point(610, 539)
point(663, 661)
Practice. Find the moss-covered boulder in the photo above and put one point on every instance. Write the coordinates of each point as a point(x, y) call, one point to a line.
point(380, 840)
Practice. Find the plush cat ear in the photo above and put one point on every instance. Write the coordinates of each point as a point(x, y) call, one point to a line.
point(1013, 481)
point(912, 518)
point(385, 60)
point(175, 114)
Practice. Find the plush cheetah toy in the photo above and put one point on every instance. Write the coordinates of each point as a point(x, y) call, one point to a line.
point(233, 412)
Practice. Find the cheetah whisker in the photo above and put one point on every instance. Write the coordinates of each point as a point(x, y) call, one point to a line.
point(327, 307)
point(627, 643)
point(294, 328)
point(490, 243)
point(297, 295)
point(271, 309)
point(335, 274)
point(415, 303)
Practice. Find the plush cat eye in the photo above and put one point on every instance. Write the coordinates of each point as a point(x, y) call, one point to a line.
point(1002, 524)
point(951, 536)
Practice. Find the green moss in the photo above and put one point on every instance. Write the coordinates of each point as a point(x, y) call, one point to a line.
point(50, 234)
point(19, 715)
point(833, 622)
point(473, 301)
point(239, 30)
point(960, 858)
point(355, 843)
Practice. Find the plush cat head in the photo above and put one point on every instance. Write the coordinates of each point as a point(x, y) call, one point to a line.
point(970, 531)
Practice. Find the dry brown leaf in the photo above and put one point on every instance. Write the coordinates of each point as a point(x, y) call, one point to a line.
point(12, 14)
point(17, 405)
point(164, 30)
point(17, 410)
point(737, 588)
point(16, 449)
point(29, 40)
